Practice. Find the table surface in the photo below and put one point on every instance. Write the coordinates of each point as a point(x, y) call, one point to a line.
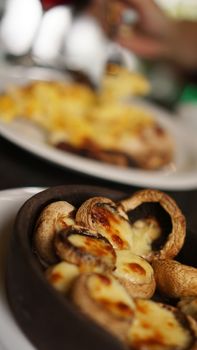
point(19, 168)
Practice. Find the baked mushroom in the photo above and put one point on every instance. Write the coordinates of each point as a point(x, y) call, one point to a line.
point(159, 225)
point(175, 279)
point(188, 305)
point(53, 218)
point(108, 218)
point(62, 275)
point(85, 248)
point(135, 274)
point(159, 327)
point(104, 299)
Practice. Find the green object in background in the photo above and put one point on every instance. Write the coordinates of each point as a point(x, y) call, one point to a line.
point(189, 94)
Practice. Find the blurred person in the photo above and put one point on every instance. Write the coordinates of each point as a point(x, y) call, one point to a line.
point(155, 35)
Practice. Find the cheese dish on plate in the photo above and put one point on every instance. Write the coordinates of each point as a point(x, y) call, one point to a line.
point(100, 133)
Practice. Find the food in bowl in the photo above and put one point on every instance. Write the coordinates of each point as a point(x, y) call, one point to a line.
point(100, 271)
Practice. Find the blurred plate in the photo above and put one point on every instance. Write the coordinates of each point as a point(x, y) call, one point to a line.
point(180, 175)
point(20, 75)
point(11, 337)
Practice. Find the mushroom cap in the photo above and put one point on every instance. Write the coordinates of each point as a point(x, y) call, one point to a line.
point(85, 248)
point(176, 237)
point(175, 279)
point(108, 218)
point(104, 299)
point(53, 218)
point(135, 274)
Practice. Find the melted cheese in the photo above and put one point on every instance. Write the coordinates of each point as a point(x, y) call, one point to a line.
point(119, 83)
point(62, 275)
point(156, 328)
point(107, 291)
point(144, 232)
point(73, 114)
point(95, 247)
point(113, 226)
point(62, 222)
point(132, 267)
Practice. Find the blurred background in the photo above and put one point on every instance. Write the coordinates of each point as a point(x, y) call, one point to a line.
point(59, 34)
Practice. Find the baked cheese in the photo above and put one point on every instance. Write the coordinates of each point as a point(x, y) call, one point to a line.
point(62, 275)
point(156, 328)
point(144, 232)
point(92, 247)
point(109, 293)
point(109, 223)
point(132, 267)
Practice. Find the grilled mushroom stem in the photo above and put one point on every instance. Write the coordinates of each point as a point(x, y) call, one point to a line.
point(175, 240)
point(53, 218)
point(159, 326)
point(175, 279)
point(108, 218)
point(85, 248)
point(135, 274)
point(104, 299)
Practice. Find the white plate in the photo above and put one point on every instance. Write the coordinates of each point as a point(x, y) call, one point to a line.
point(180, 175)
point(11, 337)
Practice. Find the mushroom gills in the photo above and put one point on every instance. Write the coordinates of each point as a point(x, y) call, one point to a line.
point(62, 275)
point(155, 327)
point(85, 248)
point(135, 273)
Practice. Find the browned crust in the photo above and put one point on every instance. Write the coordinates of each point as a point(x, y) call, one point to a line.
point(98, 255)
point(82, 299)
point(84, 213)
point(175, 279)
point(100, 212)
point(51, 219)
point(176, 237)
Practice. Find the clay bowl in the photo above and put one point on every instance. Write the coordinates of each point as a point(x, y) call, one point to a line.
point(46, 317)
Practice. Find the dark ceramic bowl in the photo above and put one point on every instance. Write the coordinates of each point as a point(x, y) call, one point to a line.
point(46, 317)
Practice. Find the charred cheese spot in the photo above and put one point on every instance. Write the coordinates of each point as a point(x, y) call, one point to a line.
point(156, 328)
point(85, 248)
point(92, 245)
point(62, 275)
point(111, 295)
point(113, 226)
point(144, 232)
point(132, 267)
